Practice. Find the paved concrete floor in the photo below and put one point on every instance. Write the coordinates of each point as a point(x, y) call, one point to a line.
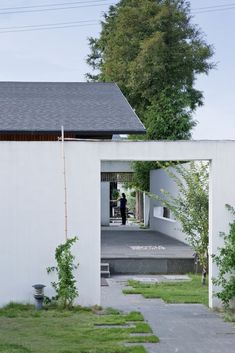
point(182, 328)
point(126, 241)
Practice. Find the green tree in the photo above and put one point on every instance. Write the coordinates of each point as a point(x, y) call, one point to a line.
point(149, 46)
point(154, 52)
point(225, 260)
point(190, 206)
point(168, 118)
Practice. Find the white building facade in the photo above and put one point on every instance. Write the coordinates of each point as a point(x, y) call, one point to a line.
point(32, 206)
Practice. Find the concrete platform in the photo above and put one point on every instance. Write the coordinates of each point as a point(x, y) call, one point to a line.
point(134, 251)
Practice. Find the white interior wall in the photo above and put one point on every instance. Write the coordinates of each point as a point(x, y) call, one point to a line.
point(105, 203)
point(31, 207)
point(146, 210)
point(159, 179)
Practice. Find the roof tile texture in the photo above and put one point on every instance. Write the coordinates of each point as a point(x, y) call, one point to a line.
point(81, 107)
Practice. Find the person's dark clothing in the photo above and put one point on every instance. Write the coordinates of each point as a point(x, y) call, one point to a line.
point(123, 209)
point(123, 215)
point(122, 203)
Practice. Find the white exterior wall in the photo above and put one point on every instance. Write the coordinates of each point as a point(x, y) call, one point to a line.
point(159, 179)
point(105, 203)
point(32, 217)
point(31, 207)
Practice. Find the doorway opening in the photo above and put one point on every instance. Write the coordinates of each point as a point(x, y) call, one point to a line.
point(152, 243)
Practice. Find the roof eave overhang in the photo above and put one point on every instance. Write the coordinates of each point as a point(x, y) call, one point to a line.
point(76, 132)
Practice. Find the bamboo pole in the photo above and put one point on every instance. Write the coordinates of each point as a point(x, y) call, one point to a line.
point(65, 187)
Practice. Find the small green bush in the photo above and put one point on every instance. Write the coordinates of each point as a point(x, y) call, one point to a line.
point(225, 260)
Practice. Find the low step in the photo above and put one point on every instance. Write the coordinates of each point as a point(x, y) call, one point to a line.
point(150, 265)
point(104, 266)
point(105, 272)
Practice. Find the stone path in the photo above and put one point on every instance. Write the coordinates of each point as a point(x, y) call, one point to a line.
point(182, 328)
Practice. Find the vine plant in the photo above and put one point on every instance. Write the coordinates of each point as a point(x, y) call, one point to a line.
point(65, 288)
point(225, 260)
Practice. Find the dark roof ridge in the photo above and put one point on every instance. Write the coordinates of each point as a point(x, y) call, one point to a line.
point(46, 82)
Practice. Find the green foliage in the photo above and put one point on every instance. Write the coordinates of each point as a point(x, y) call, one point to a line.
point(112, 311)
point(65, 288)
point(141, 174)
point(190, 206)
point(172, 292)
point(141, 180)
point(115, 194)
point(229, 316)
point(225, 260)
point(147, 46)
point(154, 52)
point(168, 117)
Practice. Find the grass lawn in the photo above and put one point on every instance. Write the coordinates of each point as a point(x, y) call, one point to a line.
point(172, 292)
point(24, 330)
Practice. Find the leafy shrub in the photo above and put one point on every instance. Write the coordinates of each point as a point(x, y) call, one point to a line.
point(66, 290)
point(225, 260)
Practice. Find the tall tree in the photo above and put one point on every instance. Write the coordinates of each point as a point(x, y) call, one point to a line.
point(154, 52)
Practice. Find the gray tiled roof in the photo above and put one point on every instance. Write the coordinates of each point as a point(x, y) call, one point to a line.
point(81, 107)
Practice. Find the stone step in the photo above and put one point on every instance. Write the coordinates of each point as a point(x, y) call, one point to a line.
point(104, 266)
point(105, 272)
point(150, 265)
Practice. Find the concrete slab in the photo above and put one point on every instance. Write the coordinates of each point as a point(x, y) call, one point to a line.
point(146, 279)
point(137, 251)
point(182, 328)
point(118, 242)
point(150, 279)
point(177, 278)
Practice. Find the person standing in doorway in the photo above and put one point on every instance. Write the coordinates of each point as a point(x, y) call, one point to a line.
point(123, 202)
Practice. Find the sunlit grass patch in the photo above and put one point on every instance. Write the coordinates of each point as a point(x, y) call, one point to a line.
point(24, 330)
point(172, 292)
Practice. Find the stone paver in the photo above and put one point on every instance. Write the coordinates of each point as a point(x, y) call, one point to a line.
point(182, 328)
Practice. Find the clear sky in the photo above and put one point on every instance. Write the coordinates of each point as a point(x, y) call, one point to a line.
point(59, 54)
